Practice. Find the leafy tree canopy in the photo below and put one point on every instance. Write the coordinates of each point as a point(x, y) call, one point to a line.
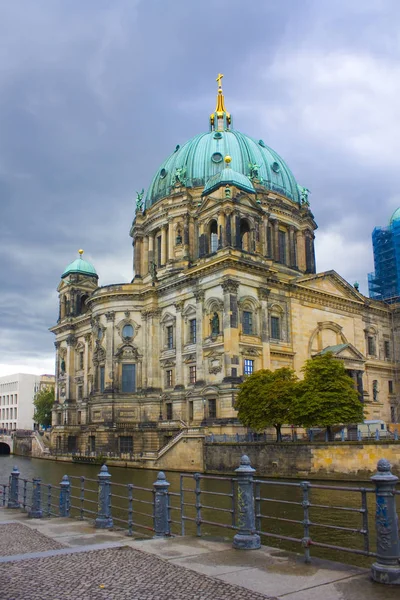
point(326, 395)
point(266, 398)
point(43, 403)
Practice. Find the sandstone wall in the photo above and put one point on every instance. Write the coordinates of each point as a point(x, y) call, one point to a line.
point(322, 460)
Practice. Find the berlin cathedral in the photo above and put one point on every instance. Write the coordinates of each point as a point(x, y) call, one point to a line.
point(224, 284)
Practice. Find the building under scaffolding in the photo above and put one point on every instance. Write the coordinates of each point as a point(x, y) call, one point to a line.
point(384, 283)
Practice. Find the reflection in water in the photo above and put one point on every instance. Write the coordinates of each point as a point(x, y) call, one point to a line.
point(282, 502)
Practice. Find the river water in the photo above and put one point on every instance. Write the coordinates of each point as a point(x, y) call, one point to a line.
point(277, 504)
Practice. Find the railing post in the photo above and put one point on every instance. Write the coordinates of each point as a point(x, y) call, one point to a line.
point(386, 569)
point(161, 521)
point(246, 538)
point(36, 508)
point(104, 519)
point(65, 490)
point(14, 489)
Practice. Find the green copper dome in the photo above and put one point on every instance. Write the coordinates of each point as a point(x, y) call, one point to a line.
point(202, 157)
point(81, 267)
point(395, 216)
point(229, 177)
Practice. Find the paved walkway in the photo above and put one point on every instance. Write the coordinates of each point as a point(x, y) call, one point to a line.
point(64, 559)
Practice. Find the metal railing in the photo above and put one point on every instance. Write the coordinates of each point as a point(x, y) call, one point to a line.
point(309, 436)
point(252, 509)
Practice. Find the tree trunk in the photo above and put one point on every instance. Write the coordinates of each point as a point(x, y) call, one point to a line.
point(278, 433)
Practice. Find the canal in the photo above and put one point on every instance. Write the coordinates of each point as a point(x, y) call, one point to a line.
point(282, 501)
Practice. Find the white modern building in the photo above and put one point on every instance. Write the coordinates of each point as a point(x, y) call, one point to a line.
point(16, 399)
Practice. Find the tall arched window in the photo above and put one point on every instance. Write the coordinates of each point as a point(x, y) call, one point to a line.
point(213, 236)
point(245, 243)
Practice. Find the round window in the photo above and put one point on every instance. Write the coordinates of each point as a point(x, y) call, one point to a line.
point(217, 157)
point(275, 167)
point(99, 333)
point(163, 173)
point(261, 143)
point(217, 135)
point(127, 331)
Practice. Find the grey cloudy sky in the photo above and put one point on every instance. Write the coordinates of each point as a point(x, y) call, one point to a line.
point(95, 94)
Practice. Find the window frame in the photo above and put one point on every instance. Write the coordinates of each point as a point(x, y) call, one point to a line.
point(248, 366)
point(275, 319)
point(247, 322)
point(169, 378)
point(169, 335)
point(192, 374)
point(132, 380)
point(193, 331)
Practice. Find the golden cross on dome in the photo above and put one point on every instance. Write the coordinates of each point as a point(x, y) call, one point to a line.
point(219, 79)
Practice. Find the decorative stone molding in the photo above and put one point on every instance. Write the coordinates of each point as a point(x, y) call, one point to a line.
point(263, 293)
point(127, 321)
point(199, 295)
point(179, 306)
point(250, 351)
point(127, 352)
point(71, 340)
point(230, 286)
point(190, 358)
point(110, 316)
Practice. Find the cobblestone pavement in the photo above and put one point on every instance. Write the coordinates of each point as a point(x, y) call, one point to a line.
point(113, 574)
point(16, 538)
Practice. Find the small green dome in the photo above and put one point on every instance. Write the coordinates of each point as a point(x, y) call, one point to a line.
point(395, 216)
point(81, 267)
point(201, 158)
point(229, 177)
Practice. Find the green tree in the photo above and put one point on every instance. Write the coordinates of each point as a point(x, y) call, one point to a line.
point(266, 398)
point(43, 403)
point(326, 395)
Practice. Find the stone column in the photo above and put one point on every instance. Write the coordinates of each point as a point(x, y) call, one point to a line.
point(146, 350)
point(228, 229)
point(57, 368)
point(266, 358)
point(70, 366)
point(292, 247)
point(221, 229)
point(145, 257)
point(230, 322)
point(153, 350)
point(86, 390)
point(275, 239)
point(109, 365)
point(178, 345)
point(138, 255)
point(171, 241)
point(301, 251)
point(199, 295)
point(163, 245)
point(151, 248)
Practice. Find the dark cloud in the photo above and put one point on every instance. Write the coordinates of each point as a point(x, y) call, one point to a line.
point(95, 95)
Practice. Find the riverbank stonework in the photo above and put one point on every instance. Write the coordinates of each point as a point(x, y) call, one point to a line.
point(318, 460)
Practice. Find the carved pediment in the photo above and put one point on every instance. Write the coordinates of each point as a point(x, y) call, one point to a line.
point(127, 351)
point(331, 283)
point(344, 351)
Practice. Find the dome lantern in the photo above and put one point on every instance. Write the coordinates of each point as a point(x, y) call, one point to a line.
point(220, 120)
point(80, 267)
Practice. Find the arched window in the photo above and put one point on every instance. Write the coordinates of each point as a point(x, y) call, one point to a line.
point(83, 308)
point(213, 236)
point(245, 243)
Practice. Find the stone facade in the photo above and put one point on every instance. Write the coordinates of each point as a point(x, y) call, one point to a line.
point(224, 284)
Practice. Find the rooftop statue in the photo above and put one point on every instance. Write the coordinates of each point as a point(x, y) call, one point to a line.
point(139, 200)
